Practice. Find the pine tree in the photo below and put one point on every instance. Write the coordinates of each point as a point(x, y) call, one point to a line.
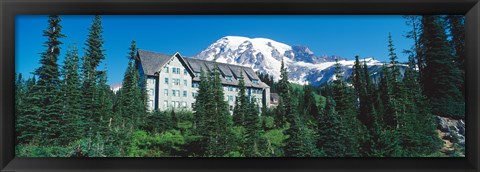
point(20, 97)
point(456, 25)
point(440, 75)
point(299, 142)
point(93, 56)
point(132, 101)
point(200, 122)
point(283, 87)
point(360, 79)
point(71, 94)
point(417, 134)
point(48, 84)
point(331, 137)
point(344, 98)
point(218, 118)
point(309, 105)
point(27, 123)
point(241, 103)
point(252, 130)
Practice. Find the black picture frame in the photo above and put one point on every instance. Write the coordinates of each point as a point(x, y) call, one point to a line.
point(10, 8)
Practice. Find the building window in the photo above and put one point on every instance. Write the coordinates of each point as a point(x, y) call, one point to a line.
point(165, 69)
point(172, 104)
point(228, 78)
point(165, 92)
point(166, 80)
point(230, 88)
point(165, 103)
point(151, 92)
point(184, 104)
point(185, 72)
point(255, 81)
point(184, 93)
point(185, 82)
point(177, 104)
point(231, 108)
point(176, 70)
point(150, 103)
point(194, 94)
point(176, 81)
point(176, 93)
point(195, 85)
point(230, 98)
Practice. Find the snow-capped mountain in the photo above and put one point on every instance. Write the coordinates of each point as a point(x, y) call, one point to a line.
point(265, 55)
point(115, 87)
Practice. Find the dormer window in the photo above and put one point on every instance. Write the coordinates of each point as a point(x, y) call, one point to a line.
point(228, 78)
point(197, 74)
point(255, 81)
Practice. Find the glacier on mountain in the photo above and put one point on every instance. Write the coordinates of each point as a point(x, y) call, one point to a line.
point(265, 55)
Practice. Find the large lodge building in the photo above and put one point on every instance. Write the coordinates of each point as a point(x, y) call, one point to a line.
point(172, 81)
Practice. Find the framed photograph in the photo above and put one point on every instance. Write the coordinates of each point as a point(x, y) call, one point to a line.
point(239, 85)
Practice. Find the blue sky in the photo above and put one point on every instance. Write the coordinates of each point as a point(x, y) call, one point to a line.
point(345, 36)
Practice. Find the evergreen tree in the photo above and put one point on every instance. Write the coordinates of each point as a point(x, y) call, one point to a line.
point(48, 85)
point(417, 134)
point(344, 98)
point(395, 71)
point(252, 130)
point(132, 101)
point(200, 123)
point(218, 118)
point(283, 87)
point(331, 137)
point(93, 56)
point(309, 106)
point(27, 123)
point(20, 97)
point(71, 94)
point(456, 25)
point(360, 77)
point(299, 142)
point(241, 103)
point(440, 76)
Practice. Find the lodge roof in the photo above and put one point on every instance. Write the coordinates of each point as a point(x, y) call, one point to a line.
point(153, 62)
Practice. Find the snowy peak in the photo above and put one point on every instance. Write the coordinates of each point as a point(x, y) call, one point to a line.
point(266, 55)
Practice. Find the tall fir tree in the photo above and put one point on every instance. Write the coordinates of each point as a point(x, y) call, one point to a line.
point(456, 25)
point(300, 142)
point(48, 85)
point(441, 76)
point(132, 100)
point(309, 109)
point(241, 100)
point(283, 87)
point(218, 117)
point(71, 94)
point(27, 123)
point(344, 98)
point(331, 137)
point(251, 147)
point(93, 56)
point(200, 122)
point(417, 134)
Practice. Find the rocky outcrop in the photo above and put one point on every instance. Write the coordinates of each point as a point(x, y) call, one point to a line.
point(452, 132)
